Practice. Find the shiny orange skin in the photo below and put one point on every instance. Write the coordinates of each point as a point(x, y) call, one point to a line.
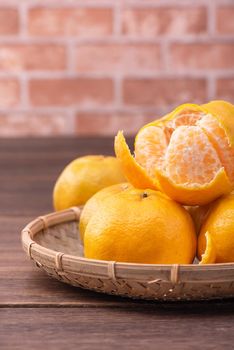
point(83, 177)
point(138, 226)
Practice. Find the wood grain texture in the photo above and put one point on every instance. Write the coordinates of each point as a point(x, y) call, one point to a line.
point(36, 311)
point(115, 328)
point(30, 167)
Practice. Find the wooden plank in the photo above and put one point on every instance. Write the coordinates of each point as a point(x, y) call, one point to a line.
point(29, 197)
point(30, 287)
point(29, 169)
point(17, 154)
point(21, 150)
point(58, 144)
point(130, 328)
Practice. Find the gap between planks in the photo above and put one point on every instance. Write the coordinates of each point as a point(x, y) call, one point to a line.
point(84, 305)
point(125, 303)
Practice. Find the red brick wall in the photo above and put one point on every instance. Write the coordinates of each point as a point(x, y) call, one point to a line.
point(96, 66)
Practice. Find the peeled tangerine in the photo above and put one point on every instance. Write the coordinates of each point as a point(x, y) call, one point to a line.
point(216, 237)
point(139, 226)
point(188, 154)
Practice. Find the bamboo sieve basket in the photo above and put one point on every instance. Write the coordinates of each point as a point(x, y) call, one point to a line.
point(53, 242)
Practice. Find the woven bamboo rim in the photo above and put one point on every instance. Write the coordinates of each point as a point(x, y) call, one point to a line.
point(150, 273)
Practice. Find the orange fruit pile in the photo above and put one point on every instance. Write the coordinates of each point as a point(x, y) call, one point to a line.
point(183, 159)
point(188, 154)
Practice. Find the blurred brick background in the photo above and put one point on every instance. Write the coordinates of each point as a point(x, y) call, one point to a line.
point(93, 67)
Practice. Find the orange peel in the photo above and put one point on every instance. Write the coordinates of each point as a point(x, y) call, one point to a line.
point(194, 195)
point(219, 223)
point(209, 256)
point(134, 173)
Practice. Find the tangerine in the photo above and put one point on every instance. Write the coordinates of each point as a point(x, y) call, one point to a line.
point(188, 154)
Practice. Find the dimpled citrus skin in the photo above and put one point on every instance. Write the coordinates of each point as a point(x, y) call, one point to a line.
point(138, 226)
point(95, 202)
point(83, 177)
point(220, 225)
point(188, 154)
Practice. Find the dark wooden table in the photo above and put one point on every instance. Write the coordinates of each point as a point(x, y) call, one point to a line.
point(38, 312)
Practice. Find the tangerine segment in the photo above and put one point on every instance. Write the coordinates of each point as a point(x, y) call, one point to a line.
point(192, 112)
point(185, 117)
point(150, 147)
point(209, 256)
point(224, 112)
point(190, 158)
point(220, 141)
point(134, 173)
point(197, 194)
point(166, 120)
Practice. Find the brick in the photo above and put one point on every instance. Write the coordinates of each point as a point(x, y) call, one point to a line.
point(171, 21)
point(82, 22)
point(91, 123)
point(225, 20)
point(225, 89)
point(163, 92)
point(9, 21)
point(68, 92)
point(131, 58)
point(9, 92)
point(32, 57)
point(202, 56)
point(34, 124)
